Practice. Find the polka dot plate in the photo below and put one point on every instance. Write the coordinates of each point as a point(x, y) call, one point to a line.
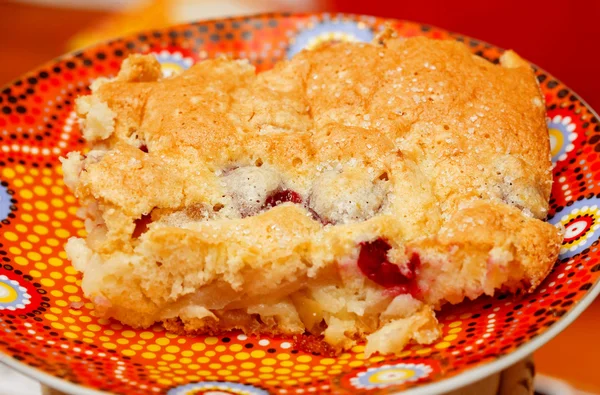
point(49, 330)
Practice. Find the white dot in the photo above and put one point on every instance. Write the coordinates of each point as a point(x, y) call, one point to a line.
point(242, 337)
point(263, 342)
point(286, 345)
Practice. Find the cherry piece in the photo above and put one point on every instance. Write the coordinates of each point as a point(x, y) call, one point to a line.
point(283, 196)
point(141, 225)
point(144, 148)
point(373, 263)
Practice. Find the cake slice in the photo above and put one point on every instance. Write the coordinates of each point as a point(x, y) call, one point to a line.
point(347, 193)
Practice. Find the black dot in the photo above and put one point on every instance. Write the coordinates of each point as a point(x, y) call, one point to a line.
point(118, 52)
point(552, 84)
point(541, 78)
point(21, 110)
point(43, 74)
point(246, 35)
point(6, 110)
point(101, 55)
point(225, 340)
point(202, 28)
point(173, 34)
point(248, 345)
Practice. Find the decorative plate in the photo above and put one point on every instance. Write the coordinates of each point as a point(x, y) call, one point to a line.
point(50, 331)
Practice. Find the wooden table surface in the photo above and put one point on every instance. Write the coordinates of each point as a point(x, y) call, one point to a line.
point(31, 35)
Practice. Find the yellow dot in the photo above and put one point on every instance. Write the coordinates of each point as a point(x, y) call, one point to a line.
point(41, 266)
point(319, 368)
point(236, 347)
point(224, 372)
point(43, 217)
point(302, 367)
point(56, 275)
point(257, 353)
point(226, 358)
point(40, 190)
point(8, 173)
point(153, 347)
point(34, 256)
point(128, 334)
point(88, 334)
point(282, 371)
point(376, 359)
point(27, 217)
point(70, 289)
point(40, 205)
point(57, 190)
point(269, 361)
point(192, 377)
point(26, 245)
point(246, 374)
point(266, 369)
point(40, 230)
point(283, 356)
point(70, 270)
point(211, 340)
point(220, 348)
point(304, 358)
point(253, 380)
point(25, 193)
point(136, 347)
point(163, 341)
point(203, 359)
point(287, 364)
point(194, 366)
point(55, 261)
point(52, 242)
point(248, 365)
point(70, 320)
point(94, 327)
point(85, 319)
point(455, 324)
point(203, 373)
point(56, 293)
point(33, 238)
point(185, 361)
point(35, 273)
point(128, 353)
point(330, 361)
point(47, 282)
point(45, 250)
point(75, 298)
point(62, 233)
point(21, 228)
point(15, 250)
point(450, 337)
point(168, 357)
point(57, 325)
point(265, 376)
point(242, 356)
point(455, 330)
point(21, 261)
point(70, 335)
point(50, 317)
point(423, 351)
point(163, 381)
point(215, 366)
point(148, 355)
point(172, 349)
point(356, 363)
point(442, 345)
point(10, 236)
point(291, 382)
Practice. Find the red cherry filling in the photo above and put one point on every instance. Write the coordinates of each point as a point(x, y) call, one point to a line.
point(373, 263)
point(283, 196)
point(141, 225)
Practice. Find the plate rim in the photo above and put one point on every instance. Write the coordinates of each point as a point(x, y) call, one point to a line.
point(457, 381)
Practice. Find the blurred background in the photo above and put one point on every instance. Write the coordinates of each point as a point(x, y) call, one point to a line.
point(560, 36)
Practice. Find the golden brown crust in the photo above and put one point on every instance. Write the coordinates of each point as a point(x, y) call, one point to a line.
point(415, 141)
